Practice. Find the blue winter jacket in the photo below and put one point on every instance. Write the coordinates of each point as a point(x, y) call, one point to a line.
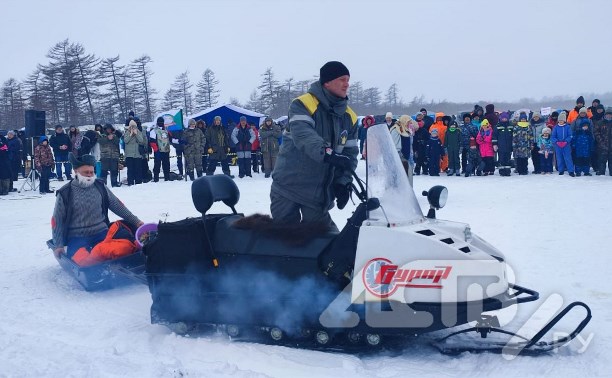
point(561, 134)
point(583, 142)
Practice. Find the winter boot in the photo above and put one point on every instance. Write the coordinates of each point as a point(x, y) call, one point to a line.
point(4, 187)
point(190, 174)
point(199, 172)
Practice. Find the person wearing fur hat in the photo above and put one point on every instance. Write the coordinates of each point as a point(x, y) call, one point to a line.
point(159, 139)
point(603, 136)
point(78, 224)
point(109, 154)
point(194, 141)
point(502, 143)
point(43, 161)
point(269, 133)
point(537, 125)
point(318, 153)
point(399, 131)
point(545, 150)
point(218, 147)
point(561, 138)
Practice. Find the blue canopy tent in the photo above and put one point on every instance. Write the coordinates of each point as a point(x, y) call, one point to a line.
point(229, 113)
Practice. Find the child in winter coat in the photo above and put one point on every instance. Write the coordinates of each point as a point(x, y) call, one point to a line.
point(522, 141)
point(582, 142)
point(485, 144)
point(467, 131)
point(43, 161)
point(452, 143)
point(537, 125)
point(435, 152)
point(545, 150)
point(561, 138)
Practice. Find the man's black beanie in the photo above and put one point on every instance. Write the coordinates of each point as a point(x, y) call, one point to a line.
point(332, 70)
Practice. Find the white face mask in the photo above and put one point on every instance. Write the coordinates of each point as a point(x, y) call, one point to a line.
point(84, 180)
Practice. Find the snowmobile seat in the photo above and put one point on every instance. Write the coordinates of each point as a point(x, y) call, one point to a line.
point(229, 240)
point(207, 190)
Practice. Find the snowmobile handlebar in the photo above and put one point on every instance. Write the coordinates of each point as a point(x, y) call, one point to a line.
point(359, 189)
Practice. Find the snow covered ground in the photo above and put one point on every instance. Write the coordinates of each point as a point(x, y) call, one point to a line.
point(555, 232)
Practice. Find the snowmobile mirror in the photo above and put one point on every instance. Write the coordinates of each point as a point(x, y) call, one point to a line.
point(436, 196)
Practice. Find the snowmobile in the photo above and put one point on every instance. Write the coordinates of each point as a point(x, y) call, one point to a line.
point(391, 272)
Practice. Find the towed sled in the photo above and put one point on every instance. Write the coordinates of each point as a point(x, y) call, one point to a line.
point(389, 274)
point(107, 274)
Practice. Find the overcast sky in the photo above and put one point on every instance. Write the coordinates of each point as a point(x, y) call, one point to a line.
point(457, 50)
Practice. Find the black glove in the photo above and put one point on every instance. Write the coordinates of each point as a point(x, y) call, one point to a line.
point(337, 160)
point(342, 194)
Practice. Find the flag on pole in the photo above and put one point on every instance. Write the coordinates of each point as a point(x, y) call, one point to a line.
point(173, 119)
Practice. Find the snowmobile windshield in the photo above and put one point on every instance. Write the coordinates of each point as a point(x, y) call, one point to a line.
point(388, 182)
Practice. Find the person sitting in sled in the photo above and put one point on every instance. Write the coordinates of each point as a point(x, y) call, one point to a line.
point(80, 216)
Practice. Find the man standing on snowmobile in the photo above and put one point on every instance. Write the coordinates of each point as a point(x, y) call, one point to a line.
point(77, 221)
point(318, 152)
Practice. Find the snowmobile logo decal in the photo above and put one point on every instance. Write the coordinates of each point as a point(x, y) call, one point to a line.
point(382, 278)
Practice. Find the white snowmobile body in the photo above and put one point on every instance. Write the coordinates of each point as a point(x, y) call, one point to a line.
point(406, 257)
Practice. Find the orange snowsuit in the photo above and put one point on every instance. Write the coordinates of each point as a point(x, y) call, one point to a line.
point(114, 245)
point(438, 125)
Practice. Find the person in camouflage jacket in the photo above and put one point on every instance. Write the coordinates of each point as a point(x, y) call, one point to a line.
point(603, 136)
point(193, 141)
point(268, 135)
point(109, 154)
point(522, 141)
point(218, 147)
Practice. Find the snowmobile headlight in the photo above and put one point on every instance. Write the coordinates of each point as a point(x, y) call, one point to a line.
point(468, 234)
point(437, 196)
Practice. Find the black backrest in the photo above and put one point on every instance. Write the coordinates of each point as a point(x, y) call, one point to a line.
point(207, 190)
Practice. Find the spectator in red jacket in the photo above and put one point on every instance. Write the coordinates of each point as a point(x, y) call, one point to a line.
point(255, 149)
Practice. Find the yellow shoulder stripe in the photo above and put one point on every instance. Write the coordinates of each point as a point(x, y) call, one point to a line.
point(352, 114)
point(310, 102)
